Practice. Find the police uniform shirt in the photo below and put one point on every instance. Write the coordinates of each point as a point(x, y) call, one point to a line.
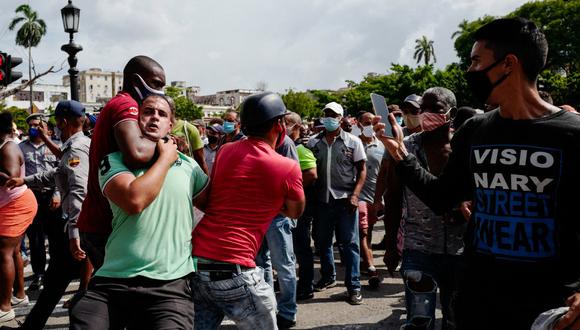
point(335, 164)
point(37, 159)
point(71, 176)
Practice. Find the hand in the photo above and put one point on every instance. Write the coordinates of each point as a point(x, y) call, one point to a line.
point(353, 203)
point(14, 182)
point(43, 130)
point(570, 320)
point(167, 150)
point(54, 203)
point(465, 208)
point(394, 145)
point(75, 249)
point(391, 260)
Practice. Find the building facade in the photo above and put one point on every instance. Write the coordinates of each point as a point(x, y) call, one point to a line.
point(44, 96)
point(97, 86)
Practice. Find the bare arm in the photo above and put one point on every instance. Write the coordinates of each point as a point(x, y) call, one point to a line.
point(53, 147)
point(361, 176)
point(393, 214)
point(199, 157)
point(381, 186)
point(10, 161)
point(293, 209)
point(137, 150)
point(133, 194)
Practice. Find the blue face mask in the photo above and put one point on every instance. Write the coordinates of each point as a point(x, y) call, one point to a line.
point(229, 127)
point(33, 132)
point(330, 124)
point(145, 90)
point(399, 120)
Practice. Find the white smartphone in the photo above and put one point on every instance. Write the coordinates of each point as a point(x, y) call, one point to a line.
point(380, 107)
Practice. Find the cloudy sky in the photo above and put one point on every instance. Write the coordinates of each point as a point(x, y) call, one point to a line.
point(229, 44)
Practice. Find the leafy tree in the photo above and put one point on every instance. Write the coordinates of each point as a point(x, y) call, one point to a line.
point(29, 34)
point(302, 103)
point(424, 50)
point(464, 39)
point(184, 107)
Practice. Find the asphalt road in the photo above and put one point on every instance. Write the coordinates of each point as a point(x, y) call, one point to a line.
point(382, 309)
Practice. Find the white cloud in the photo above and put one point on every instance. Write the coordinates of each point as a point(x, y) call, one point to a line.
point(232, 44)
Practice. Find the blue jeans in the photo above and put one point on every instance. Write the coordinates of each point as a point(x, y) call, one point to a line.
point(246, 299)
point(304, 255)
point(337, 214)
point(422, 274)
point(277, 251)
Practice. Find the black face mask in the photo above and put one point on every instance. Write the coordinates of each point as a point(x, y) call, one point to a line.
point(212, 139)
point(479, 83)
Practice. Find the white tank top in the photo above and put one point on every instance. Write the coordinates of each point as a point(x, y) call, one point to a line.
point(7, 196)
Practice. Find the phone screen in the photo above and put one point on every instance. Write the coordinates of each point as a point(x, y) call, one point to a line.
point(380, 107)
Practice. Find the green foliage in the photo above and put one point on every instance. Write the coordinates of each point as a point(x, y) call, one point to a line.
point(302, 103)
point(464, 39)
point(424, 50)
point(184, 107)
point(19, 117)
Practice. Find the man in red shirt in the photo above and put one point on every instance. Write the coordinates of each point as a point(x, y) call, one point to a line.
point(250, 184)
point(117, 129)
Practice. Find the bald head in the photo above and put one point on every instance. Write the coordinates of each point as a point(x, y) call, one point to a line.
point(142, 68)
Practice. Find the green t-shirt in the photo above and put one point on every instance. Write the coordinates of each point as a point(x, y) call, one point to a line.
point(155, 243)
point(185, 129)
point(306, 157)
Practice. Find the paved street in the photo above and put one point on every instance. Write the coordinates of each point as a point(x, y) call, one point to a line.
point(382, 309)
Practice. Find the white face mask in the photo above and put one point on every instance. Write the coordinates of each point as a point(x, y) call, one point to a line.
point(412, 121)
point(368, 131)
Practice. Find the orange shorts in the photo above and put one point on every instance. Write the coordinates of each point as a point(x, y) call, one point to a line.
point(17, 215)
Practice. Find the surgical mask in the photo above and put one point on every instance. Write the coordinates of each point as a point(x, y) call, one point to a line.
point(33, 132)
point(368, 131)
point(145, 90)
point(431, 121)
point(289, 130)
point(330, 124)
point(412, 121)
point(229, 127)
point(205, 140)
point(479, 83)
point(399, 120)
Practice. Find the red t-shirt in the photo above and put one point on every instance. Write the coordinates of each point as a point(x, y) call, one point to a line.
point(249, 184)
point(96, 214)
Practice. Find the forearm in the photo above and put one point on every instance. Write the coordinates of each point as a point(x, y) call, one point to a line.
point(360, 181)
point(53, 147)
point(199, 157)
point(42, 179)
point(144, 189)
point(381, 185)
point(141, 155)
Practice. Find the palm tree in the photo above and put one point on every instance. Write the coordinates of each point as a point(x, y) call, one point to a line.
point(28, 35)
point(462, 29)
point(424, 50)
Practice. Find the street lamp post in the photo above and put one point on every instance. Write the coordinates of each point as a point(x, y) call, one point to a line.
point(70, 20)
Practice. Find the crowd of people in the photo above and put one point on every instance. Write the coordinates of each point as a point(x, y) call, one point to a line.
point(172, 224)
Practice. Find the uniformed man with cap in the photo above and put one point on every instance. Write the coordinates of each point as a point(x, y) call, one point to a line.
point(250, 184)
point(70, 177)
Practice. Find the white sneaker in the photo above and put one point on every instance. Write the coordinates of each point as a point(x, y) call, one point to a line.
point(17, 302)
point(7, 316)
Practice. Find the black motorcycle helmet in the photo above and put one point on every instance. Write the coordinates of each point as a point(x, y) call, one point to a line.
point(259, 109)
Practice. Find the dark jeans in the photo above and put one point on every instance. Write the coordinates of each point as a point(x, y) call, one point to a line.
point(337, 215)
point(137, 303)
point(37, 230)
point(94, 246)
point(304, 255)
point(62, 269)
point(423, 274)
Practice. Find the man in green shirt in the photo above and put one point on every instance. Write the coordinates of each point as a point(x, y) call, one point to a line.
point(193, 144)
point(144, 280)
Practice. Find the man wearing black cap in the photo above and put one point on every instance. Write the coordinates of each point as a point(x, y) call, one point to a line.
point(250, 184)
point(70, 177)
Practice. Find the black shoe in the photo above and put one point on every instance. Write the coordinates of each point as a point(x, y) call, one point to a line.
point(355, 298)
point(284, 323)
point(323, 285)
point(304, 295)
point(37, 283)
point(382, 245)
point(374, 279)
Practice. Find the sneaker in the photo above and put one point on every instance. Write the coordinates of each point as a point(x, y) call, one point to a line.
point(304, 295)
point(7, 316)
point(37, 283)
point(284, 323)
point(355, 298)
point(323, 285)
point(374, 279)
point(17, 302)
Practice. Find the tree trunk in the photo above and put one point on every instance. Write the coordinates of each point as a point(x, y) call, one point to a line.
point(30, 75)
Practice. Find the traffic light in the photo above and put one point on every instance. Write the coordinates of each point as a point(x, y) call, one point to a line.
point(7, 62)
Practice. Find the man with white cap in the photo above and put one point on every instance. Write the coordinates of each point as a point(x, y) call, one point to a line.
point(341, 170)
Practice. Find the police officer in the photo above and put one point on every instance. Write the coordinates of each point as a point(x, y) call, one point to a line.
point(70, 177)
point(38, 158)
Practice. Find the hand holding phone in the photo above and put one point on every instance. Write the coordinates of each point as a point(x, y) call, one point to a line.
point(380, 108)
